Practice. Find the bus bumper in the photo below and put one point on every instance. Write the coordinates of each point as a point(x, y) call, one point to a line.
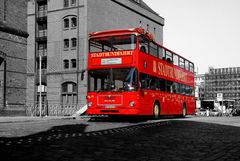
point(113, 112)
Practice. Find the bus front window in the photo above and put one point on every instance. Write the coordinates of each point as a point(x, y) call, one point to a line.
point(103, 80)
point(112, 43)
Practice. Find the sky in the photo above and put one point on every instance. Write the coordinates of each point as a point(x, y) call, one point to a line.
point(207, 32)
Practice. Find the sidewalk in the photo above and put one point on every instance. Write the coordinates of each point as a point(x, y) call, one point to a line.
point(4, 119)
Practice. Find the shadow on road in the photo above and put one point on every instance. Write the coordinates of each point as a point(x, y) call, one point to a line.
point(54, 131)
point(175, 140)
point(119, 119)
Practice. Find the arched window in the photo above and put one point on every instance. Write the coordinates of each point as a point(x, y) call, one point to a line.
point(66, 23)
point(74, 22)
point(66, 43)
point(66, 64)
point(69, 93)
point(69, 21)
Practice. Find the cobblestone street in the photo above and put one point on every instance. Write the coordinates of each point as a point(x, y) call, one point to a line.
point(172, 139)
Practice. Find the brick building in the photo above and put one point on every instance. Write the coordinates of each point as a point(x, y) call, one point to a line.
point(13, 56)
point(58, 32)
point(224, 82)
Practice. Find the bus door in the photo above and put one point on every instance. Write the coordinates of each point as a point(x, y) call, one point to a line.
point(146, 94)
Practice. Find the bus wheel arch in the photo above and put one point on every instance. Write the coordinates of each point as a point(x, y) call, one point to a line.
point(156, 110)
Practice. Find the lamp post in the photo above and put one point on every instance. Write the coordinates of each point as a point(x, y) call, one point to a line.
point(40, 84)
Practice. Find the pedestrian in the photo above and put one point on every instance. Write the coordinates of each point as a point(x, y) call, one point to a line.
point(207, 111)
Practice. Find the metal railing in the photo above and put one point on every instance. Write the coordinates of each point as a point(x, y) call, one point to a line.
point(42, 33)
point(42, 52)
point(52, 110)
point(42, 13)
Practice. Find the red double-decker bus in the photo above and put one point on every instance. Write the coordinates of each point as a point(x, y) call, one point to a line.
point(130, 74)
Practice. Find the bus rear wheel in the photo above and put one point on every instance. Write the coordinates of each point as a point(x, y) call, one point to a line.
point(156, 111)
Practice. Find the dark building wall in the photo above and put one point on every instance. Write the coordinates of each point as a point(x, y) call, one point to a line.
point(13, 13)
point(13, 44)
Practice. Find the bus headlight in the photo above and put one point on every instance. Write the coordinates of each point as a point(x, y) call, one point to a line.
point(131, 104)
point(89, 104)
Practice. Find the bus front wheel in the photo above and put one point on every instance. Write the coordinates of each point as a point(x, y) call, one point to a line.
point(156, 111)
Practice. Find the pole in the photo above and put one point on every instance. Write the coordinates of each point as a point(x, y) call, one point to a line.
point(5, 84)
point(40, 84)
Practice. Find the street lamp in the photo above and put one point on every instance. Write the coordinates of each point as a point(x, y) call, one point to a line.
point(40, 84)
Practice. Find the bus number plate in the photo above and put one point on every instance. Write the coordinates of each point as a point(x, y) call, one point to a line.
point(110, 106)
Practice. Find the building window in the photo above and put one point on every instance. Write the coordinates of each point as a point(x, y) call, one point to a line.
point(69, 93)
point(42, 7)
point(74, 63)
point(74, 22)
point(74, 42)
point(73, 2)
point(43, 63)
point(66, 64)
point(66, 43)
point(66, 23)
point(66, 3)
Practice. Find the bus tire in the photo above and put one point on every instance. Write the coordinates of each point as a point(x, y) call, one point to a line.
point(184, 111)
point(156, 111)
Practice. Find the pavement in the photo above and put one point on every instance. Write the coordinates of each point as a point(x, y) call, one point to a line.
point(192, 138)
point(29, 118)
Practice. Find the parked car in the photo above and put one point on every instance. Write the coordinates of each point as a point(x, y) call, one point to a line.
point(214, 113)
point(201, 112)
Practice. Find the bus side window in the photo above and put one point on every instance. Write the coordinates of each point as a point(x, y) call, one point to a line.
point(175, 60)
point(144, 80)
point(144, 44)
point(181, 63)
point(169, 57)
point(192, 91)
point(175, 87)
point(191, 68)
point(153, 49)
point(169, 87)
point(153, 83)
point(161, 53)
point(183, 89)
point(187, 65)
point(162, 85)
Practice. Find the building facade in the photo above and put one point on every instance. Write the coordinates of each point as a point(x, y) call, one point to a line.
point(199, 89)
point(58, 32)
point(13, 56)
point(224, 83)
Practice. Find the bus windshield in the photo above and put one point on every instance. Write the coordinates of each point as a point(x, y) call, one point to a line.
point(113, 43)
point(104, 80)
